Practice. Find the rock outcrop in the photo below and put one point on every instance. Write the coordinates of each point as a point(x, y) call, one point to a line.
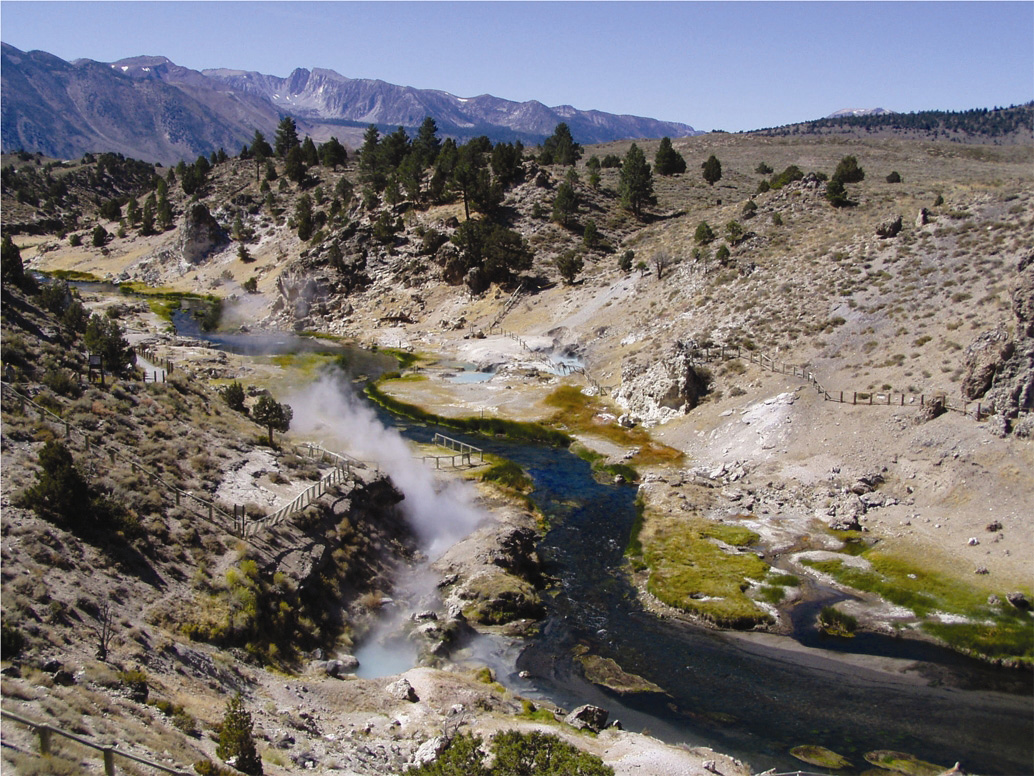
point(199, 234)
point(660, 390)
point(1000, 368)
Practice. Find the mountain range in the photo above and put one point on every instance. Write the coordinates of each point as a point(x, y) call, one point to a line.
point(150, 108)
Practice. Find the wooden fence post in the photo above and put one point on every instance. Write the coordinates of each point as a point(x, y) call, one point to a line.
point(109, 761)
point(44, 739)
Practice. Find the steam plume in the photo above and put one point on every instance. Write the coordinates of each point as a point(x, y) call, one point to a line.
point(440, 514)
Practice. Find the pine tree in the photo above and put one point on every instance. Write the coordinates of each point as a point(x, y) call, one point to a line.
point(427, 144)
point(303, 217)
point(12, 269)
point(712, 170)
point(636, 184)
point(565, 204)
point(668, 161)
point(294, 165)
point(333, 154)
point(370, 169)
point(310, 155)
point(235, 738)
point(286, 137)
point(275, 417)
point(560, 148)
point(260, 149)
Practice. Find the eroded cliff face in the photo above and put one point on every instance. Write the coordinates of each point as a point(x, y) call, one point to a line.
point(659, 390)
point(1000, 363)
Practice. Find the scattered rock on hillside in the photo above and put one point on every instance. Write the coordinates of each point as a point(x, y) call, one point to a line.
point(402, 690)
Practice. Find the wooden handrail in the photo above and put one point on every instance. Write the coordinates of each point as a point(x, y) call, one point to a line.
point(108, 752)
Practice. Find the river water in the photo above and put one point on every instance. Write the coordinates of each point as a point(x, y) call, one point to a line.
point(754, 699)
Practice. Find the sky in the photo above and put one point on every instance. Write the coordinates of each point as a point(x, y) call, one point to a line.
point(733, 66)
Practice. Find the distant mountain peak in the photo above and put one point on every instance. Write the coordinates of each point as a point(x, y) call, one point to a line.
point(151, 108)
point(846, 112)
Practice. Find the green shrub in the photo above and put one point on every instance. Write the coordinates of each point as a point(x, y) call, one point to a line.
point(836, 623)
point(135, 683)
point(12, 641)
point(514, 754)
point(789, 175)
point(509, 475)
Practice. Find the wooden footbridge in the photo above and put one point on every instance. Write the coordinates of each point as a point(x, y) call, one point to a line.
point(460, 451)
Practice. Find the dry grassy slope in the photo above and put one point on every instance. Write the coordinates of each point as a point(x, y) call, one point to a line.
point(172, 569)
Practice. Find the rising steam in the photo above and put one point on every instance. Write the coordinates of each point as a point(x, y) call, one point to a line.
point(440, 514)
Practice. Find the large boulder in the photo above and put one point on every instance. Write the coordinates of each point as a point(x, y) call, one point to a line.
point(402, 690)
point(661, 389)
point(199, 234)
point(588, 717)
point(889, 228)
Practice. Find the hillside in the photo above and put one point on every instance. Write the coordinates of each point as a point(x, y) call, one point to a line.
point(838, 437)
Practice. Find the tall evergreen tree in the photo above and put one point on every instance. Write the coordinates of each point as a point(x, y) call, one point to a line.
point(294, 165)
point(565, 204)
point(260, 148)
point(393, 150)
point(235, 734)
point(303, 217)
point(426, 145)
point(507, 164)
point(636, 183)
point(370, 170)
point(12, 270)
point(286, 137)
point(310, 155)
point(333, 154)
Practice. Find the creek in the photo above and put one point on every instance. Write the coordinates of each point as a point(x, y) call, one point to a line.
point(753, 698)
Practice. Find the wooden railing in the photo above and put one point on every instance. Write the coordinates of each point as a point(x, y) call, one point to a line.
point(462, 450)
point(343, 471)
point(201, 507)
point(108, 753)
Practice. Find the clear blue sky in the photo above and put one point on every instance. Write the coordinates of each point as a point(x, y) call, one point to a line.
point(729, 65)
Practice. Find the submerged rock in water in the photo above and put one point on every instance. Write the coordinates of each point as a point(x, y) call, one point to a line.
point(820, 756)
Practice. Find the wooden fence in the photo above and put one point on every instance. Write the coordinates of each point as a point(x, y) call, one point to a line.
point(108, 753)
point(202, 507)
point(514, 297)
point(717, 353)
